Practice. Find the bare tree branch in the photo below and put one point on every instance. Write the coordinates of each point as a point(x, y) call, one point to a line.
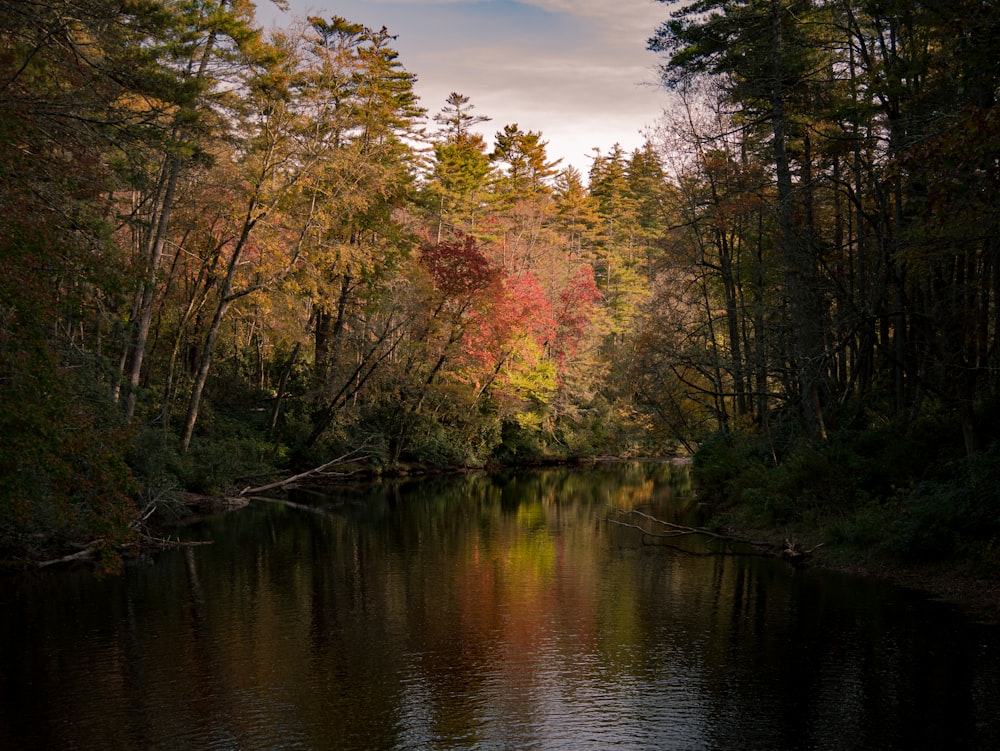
point(679, 530)
point(320, 471)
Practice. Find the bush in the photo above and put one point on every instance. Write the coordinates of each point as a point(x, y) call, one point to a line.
point(65, 478)
point(526, 445)
point(949, 518)
point(726, 465)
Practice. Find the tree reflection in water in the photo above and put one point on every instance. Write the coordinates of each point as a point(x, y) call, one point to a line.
point(484, 612)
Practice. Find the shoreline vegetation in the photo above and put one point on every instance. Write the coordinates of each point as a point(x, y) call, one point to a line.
point(963, 576)
point(900, 504)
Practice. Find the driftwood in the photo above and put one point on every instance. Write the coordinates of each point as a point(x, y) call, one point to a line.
point(81, 555)
point(148, 541)
point(317, 472)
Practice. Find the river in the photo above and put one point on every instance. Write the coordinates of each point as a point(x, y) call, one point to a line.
point(483, 612)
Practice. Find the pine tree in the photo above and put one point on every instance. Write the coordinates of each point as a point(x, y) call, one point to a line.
point(460, 188)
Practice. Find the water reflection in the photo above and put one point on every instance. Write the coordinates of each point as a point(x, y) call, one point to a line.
point(483, 612)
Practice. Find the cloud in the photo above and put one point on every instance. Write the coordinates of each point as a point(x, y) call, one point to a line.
point(575, 70)
point(640, 15)
point(626, 12)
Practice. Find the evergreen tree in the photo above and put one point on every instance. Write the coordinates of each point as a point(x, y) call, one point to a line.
point(576, 215)
point(456, 118)
point(460, 188)
point(527, 168)
point(619, 255)
point(354, 238)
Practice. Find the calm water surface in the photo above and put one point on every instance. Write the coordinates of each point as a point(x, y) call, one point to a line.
point(483, 612)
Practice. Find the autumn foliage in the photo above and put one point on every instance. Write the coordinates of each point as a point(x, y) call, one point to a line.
point(225, 252)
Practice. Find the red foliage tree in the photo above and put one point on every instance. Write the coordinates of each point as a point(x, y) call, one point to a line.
point(576, 306)
point(459, 269)
point(519, 311)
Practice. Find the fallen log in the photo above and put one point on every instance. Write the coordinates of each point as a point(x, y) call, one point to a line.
point(673, 530)
point(146, 541)
point(321, 471)
point(81, 555)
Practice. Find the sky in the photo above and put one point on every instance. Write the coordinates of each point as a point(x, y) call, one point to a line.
point(577, 71)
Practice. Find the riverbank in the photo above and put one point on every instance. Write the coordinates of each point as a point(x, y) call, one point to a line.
point(895, 502)
point(977, 597)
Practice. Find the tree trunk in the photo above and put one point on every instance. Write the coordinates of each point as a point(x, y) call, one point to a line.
point(282, 381)
point(328, 337)
point(154, 251)
point(798, 263)
point(226, 298)
point(147, 300)
point(201, 377)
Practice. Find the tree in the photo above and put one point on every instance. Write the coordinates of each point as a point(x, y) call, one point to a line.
point(522, 210)
point(650, 188)
point(453, 299)
point(83, 94)
point(527, 169)
point(576, 215)
point(459, 190)
point(203, 33)
point(762, 51)
point(265, 171)
point(618, 258)
point(456, 118)
point(362, 108)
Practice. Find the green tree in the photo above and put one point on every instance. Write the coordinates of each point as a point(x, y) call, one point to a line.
point(459, 189)
point(577, 217)
point(364, 108)
point(527, 169)
point(456, 117)
point(619, 254)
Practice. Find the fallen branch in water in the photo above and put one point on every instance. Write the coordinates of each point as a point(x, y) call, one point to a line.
point(320, 471)
point(146, 541)
point(149, 540)
point(86, 554)
point(679, 530)
point(795, 555)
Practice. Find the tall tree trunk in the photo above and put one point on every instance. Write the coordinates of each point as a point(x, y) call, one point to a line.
point(328, 337)
point(157, 240)
point(147, 299)
point(226, 298)
point(799, 265)
point(196, 300)
point(733, 324)
point(201, 377)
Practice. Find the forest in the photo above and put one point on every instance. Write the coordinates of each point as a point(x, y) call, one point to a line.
point(230, 255)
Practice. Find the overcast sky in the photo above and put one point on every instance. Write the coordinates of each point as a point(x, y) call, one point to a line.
point(575, 70)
